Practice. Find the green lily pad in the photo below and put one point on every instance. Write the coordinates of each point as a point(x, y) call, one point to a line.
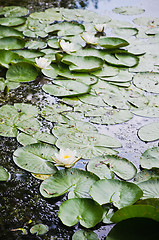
point(106, 71)
point(136, 211)
point(147, 81)
point(64, 88)
point(9, 32)
point(27, 53)
point(74, 181)
point(147, 112)
point(101, 170)
point(128, 10)
point(120, 193)
point(13, 11)
point(7, 57)
point(53, 43)
point(32, 44)
point(149, 132)
point(11, 43)
point(26, 139)
point(4, 175)
point(55, 113)
point(122, 76)
point(83, 235)
point(125, 31)
point(82, 64)
point(6, 84)
point(85, 211)
point(36, 158)
point(88, 145)
point(120, 166)
point(134, 228)
point(150, 188)
point(122, 59)
point(39, 229)
point(12, 21)
point(112, 42)
point(51, 72)
point(19, 116)
point(110, 116)
point(21, 72)
point(150, 158)
point(145, 175)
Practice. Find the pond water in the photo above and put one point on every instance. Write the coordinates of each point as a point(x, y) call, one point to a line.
point(20, 199)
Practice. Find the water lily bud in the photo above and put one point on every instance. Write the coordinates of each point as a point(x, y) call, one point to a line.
point(99, 27)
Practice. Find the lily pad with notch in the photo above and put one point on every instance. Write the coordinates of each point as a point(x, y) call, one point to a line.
point(150, 158)
point(112, 42)
point(85, 211)
point(4, 175)
point(149, 132)
point(36, 158)
point(74, 181)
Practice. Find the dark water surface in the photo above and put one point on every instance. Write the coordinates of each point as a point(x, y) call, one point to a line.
point(20, 199)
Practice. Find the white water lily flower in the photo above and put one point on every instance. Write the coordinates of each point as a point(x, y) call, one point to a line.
point(42, 62)
point(67, 46)
point(66, 158)
point(99, 27)
point(89, 38)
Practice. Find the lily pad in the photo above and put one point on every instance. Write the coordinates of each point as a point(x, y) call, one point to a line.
point(88, 145)
point(150, 188)
point(55, 113)
point(13, 11)
point(4, 175)
point(122, 59)
point(9, 32)
point(7, 57)
point(134, 228)
point(83, 235)
point(65, 88)
point(12, 21)
point(150, 158)
point(147, 81)
point(106, 71)
point(120, 166)
point(85, 211)
point(74, 181)
point(82, 64)
point(114, 191)
point(27, 53)
point(39, 229)
point(26, 139)
point(128, 10)
point(136, 211)
point(112, 42)
point(21, 72)
point(145, 175)
point(149, 132)
point(36, 158)
point(11, 43)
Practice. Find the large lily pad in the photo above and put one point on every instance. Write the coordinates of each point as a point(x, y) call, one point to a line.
point(13, 11)
point(12, 21)
point(128, 10)
point(112, 42)
point(64, 88)
point(85, 211)
point(36, 158)
point(75, 181)
point(136, 211)
point(120, 166)
point(114, 191)
point(149, 132)
point(134, 228)
point(82, 64)
point(145, 175)
point(150, 188)
point(4, 175)
point(9, 32)
point(150, 158)
point(7, 57)
point(22, 72)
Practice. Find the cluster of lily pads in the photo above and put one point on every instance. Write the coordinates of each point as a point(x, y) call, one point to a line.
point(94, 78)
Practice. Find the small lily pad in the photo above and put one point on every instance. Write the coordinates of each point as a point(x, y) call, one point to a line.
point(150, 188)
point(4, 175)
point(39, 229)
point(80, 210)
point(83, 235)
point(9, 32)
point(74, 181)
point(128, 10)
point(122, 59)
point(149, 132)
point(11, 43)
point(12, 21)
